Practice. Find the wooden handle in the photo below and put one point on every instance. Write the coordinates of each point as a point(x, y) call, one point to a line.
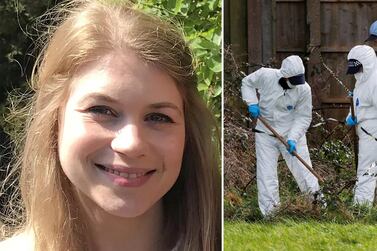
point(352, 107)
point(355, 140)
point(282, 140)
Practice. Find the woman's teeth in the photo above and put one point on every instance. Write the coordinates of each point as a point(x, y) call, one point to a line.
point(125, 175)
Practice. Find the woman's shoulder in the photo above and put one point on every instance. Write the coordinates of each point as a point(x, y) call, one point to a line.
point(19, 242)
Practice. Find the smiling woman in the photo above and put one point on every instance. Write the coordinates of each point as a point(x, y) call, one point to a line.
point(120, 152)
point(131, 134)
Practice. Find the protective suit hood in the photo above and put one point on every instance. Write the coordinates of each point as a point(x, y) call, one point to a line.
point(366, 56)
point(292, 66)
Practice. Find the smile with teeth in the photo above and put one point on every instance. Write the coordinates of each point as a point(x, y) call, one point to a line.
point(127, 175)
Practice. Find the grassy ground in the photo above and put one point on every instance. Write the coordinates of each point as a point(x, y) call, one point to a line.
point(299, 235)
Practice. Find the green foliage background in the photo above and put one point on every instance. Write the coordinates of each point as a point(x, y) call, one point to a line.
point(200, 21)
point(17, 50)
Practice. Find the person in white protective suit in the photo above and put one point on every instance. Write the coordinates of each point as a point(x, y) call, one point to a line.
point(286, 103)
point(372, 38)
point(362, 62)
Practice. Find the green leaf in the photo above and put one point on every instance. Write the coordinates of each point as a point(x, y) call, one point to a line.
point(207, 44)
point(170, 4)
point(178, 6)
point(218, 91)
point(217, 67)
point(202, 87)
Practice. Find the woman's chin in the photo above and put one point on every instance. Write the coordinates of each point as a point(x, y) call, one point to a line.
point(126, 209)
point(125, 212)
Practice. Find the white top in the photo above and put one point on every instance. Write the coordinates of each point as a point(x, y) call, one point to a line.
point(289, 111)
point(365, 92)
point(20, 242)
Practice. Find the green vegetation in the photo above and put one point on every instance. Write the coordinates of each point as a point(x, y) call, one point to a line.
point(18, 51)
point(296, 235)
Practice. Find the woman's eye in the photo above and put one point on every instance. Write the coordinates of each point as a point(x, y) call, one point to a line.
point(101, 110)
point(159, 118)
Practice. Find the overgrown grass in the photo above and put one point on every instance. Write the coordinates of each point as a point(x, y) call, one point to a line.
point(294, 235)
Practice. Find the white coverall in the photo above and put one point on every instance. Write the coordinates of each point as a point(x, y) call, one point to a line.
point(289, 112)
point(365, 103)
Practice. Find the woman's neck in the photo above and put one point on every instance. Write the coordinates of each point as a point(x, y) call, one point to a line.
point(107, 232)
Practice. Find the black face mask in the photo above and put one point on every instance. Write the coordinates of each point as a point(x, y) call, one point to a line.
point(283, 83)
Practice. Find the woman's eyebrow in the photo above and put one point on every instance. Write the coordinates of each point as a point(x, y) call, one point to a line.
point(161, 105)
point(98, 96)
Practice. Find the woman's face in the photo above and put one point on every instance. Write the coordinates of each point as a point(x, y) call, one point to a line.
point(122, 134)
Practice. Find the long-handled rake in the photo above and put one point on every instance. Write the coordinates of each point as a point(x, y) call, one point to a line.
point(282, 140)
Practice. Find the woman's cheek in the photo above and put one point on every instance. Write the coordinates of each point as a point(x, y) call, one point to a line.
point(80, 137)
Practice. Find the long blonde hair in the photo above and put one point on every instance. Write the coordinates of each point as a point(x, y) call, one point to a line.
point(87, 30)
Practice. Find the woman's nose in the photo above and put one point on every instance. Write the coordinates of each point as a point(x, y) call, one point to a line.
point(129, 141)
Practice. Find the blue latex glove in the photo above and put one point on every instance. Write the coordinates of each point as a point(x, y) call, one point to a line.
point(351, 121)
point(292, 146)
point(254, 110)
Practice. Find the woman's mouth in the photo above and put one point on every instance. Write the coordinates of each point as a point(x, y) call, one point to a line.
point(127, 176)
